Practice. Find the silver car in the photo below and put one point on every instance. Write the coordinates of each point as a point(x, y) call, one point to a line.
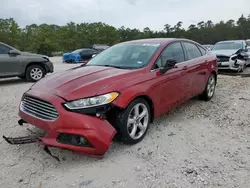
point(24, 65)
point(225, 50)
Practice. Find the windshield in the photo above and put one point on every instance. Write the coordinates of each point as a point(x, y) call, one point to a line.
point(126, 55)
point(248, 42)
point(227, 46)
point(77, 51)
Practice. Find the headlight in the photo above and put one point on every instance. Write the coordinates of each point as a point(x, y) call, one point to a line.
point(92, 101)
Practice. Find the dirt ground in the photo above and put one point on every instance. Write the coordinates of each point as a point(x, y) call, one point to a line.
point(198, 144)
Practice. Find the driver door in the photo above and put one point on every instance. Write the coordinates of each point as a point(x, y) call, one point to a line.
point(173, 83)
point(10, 65)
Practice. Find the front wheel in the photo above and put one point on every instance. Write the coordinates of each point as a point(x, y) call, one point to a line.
point(134, 121)
point(210, 88)
point(35, 73)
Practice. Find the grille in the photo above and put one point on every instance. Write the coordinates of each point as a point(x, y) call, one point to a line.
point(39, 108)
point(223, 58)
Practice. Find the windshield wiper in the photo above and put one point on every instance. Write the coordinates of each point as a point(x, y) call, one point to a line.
point(115, 66)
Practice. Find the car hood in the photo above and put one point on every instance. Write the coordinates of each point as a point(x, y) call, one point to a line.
point(224, 52)
point(85, 81)
point(35, 55)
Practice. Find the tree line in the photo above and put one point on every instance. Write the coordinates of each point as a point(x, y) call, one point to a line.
point(47, 39)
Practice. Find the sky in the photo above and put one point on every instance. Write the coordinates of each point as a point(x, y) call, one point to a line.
point(129, 13)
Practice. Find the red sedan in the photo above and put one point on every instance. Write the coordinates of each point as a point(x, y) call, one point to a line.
point(121, 90)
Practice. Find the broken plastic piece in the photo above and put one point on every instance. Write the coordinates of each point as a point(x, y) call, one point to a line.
point(22, 140)
point(21, 122)
point(46, 149)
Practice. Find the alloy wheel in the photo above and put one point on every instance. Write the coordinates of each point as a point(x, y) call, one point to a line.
point(138, 121)
point(211, 86)
point(36, 73)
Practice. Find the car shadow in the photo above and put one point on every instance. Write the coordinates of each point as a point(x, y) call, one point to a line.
point(11, 81)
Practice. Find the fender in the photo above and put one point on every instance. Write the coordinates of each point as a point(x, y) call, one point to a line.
point(133, 92)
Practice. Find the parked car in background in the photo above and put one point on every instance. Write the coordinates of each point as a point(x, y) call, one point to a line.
point(208, 46)
point(79, 55)
point(25, 65)
point(224, 50)
point(100, 47)
point(122, 90)
point(248, 42)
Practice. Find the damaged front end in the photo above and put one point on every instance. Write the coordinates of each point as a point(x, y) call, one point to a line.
point(236, 62)
point(83, 131)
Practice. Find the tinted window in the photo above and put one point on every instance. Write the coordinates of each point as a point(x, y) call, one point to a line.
point(77, 51)
point(192, 50)
point(4, 49)
point(203, 51)
point(173, 51)
point(91, 51)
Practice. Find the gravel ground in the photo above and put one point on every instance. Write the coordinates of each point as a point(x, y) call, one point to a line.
point(198, 144)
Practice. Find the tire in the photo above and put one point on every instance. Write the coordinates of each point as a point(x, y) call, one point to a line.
point(34, 73)
point(126, 129)
point(209, 91)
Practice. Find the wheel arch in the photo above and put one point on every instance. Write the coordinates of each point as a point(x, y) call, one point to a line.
point(215, 75)
point(35, 63)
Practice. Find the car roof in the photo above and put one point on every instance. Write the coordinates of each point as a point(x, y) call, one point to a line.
point(236, 41)
point(158, 40)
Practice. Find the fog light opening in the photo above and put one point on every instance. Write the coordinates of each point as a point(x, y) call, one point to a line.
point(78, 140)
point(71, 139)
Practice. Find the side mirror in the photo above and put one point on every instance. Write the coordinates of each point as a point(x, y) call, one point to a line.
point(14, 52)
point(170, 63)
point(93, 55)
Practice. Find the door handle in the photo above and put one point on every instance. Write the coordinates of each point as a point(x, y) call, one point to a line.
point(184, 68)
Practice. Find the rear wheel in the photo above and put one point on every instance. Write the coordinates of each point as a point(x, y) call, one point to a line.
point(134, 121)
point(209, 91)
point(35, 73)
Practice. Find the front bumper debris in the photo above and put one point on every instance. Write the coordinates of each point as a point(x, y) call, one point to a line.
point(28, 139)
point(22, 140)
point(231, 65)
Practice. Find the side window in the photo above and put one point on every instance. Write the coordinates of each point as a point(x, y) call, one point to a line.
point(91, 51)
point(4, 49)
point(203, 51)
point(172, 51)
point(192, 50)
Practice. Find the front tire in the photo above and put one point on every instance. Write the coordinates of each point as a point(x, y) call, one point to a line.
point(35, 73)
point(209, 91)
point(133, 122)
